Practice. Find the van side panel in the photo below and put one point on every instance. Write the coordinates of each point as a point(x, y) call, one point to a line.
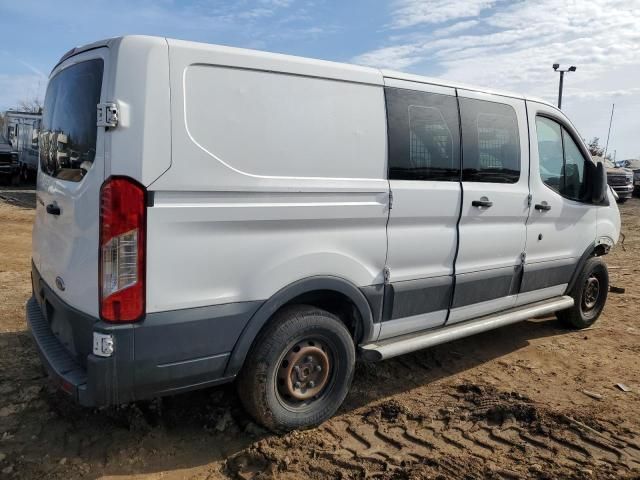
point(140, 146)
point(276, 176)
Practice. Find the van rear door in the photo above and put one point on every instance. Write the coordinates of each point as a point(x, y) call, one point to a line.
point(70, 174)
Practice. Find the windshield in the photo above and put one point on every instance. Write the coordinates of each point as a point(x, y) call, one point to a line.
point(68, 131)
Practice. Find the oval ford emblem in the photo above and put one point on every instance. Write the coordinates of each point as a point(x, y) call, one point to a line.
point(60, 283)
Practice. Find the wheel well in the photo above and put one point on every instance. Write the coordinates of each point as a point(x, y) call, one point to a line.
point(600, 250)
point(336, 303)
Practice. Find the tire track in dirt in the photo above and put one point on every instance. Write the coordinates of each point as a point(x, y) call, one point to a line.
point(467, 438)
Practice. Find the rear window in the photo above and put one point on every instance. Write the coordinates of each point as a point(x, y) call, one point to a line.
point(68, 133)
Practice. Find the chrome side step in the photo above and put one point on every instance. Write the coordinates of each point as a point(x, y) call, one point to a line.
point(392, 347)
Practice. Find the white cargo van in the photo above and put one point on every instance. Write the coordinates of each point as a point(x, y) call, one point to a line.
point(207, 213)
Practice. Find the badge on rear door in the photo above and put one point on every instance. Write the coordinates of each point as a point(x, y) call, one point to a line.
point(60, 283)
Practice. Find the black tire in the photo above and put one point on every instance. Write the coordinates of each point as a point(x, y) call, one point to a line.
point(589, 303)
point(25, 175)
point(622, 200)
point(264, 384)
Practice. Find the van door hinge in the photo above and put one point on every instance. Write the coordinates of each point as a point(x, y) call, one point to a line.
point(390, 199)
point(523, 257)
point(529, 199)
point(387, 275)
point(107, 115)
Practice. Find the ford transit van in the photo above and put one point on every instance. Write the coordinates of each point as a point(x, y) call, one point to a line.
point(208, 214)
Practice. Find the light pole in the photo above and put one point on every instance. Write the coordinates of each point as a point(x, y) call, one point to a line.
point(556, 67)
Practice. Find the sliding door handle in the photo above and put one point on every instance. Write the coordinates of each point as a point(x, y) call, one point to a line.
point(542, 207)
point(483, 202)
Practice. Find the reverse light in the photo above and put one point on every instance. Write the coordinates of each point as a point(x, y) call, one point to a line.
point(103, 344)
point(122, 250)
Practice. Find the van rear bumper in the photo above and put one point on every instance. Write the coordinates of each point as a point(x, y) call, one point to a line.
point(164, 354)
point(63, 370)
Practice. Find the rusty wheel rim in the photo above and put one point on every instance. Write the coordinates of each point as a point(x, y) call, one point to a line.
point(304, 371)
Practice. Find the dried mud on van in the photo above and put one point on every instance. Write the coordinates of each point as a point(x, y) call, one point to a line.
point(532, 400)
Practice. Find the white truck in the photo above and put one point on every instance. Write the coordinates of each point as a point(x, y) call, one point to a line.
point(22, 132)
point(206, 214)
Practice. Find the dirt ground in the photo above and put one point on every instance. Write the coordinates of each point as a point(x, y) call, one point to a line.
point(532, 400)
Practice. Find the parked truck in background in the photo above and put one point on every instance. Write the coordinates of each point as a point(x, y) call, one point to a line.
point(8, 162)
point(21, 131)
point(633, 164)
point(621, 180)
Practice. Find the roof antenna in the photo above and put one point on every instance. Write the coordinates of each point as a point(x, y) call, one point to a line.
point(613, 105)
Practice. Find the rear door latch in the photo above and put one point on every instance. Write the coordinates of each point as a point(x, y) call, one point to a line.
point(107, 114)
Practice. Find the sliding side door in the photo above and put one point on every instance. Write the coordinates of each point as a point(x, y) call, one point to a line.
point(424, 178)
point(495, 189)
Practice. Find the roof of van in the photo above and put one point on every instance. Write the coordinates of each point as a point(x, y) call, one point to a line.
point(356, 70)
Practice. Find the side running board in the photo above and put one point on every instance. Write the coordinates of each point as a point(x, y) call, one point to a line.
point(392, 347)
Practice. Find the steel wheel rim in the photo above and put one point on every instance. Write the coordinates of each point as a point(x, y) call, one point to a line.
point(591, 292)
point(304, 373)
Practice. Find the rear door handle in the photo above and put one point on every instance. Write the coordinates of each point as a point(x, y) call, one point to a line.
point(53, 209)
point(481, 203)
point(542, 206)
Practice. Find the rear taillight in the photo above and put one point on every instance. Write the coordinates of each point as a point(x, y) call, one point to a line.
point(122, 250)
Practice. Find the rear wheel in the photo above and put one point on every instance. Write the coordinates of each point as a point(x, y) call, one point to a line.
point(589, 294)
point(299, 370)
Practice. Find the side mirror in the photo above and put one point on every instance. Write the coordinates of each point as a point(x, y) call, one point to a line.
point(599, 184)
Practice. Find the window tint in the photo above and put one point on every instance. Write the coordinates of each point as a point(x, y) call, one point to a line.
point(490, 142)
point(68, 130)
point(562, 165)
point(424, 136)
point(550, 152)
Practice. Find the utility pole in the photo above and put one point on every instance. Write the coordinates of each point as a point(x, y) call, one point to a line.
point(556, 67)
point(613, 106)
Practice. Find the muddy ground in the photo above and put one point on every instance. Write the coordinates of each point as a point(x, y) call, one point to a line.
point(506, 404)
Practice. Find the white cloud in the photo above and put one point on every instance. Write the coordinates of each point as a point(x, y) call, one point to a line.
point(513, 46)
point(600, 94)
point(408, 13)
point(14, 88)
point(456, 27)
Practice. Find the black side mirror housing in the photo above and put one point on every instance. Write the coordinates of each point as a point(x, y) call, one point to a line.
point(599, 184)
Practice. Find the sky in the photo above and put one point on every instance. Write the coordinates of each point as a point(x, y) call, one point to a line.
point(494, 43)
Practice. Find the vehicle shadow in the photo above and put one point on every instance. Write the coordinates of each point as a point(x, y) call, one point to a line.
point(42, 431)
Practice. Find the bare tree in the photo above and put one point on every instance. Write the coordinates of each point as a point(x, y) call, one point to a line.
point(33, 105)
point(594, 147)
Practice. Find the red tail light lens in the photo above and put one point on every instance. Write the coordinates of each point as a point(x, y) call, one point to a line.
point(122, 250)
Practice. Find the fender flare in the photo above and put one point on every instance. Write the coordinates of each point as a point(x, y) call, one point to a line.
point(288, 293)
point(579, 266)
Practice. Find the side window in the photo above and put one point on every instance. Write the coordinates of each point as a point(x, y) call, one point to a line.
point(490, 142)
point(562, 165)
point(574, 182)
point(550, 152)
point(424, 135)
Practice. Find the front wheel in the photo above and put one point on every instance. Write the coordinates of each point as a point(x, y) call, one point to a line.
point(299, 369)
point(589, 294)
